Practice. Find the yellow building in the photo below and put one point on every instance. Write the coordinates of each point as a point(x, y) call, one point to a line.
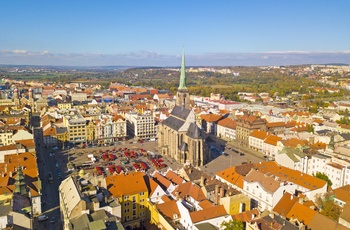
point(90, 131)
point(64, 106)
point(235, 204)
point(5, 137)
point(76, 125)
point(132, 193)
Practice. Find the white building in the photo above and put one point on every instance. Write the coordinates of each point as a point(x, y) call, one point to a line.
point(317, 163)
point(293, 159)
point(265, 189)
point(226, 129)
point(110, 128)
point(256, 140)
point(141, 126)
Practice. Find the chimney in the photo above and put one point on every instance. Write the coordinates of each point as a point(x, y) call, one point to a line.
point(2, 174)
point(202, 181)
point(217, 190)
point(177, 195)
point(5, 168)
point(10, 173)
point(222, 192)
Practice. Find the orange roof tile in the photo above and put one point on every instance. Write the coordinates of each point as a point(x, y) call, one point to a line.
point(272, 140)
point(285, 204)
point(258, 134)
point(207, 214)
point(211, 117)
point(291, 175)
point(164, 182)
point(126, 184)
point(205, 204)
point(342, 193)
point(302, 213)
point(174, 178)
point(190, 189)
point(275, 124)
point(294, 142)
point(228, 123)
point(269, 183)
point(232, 176)
point(168, 209)
point(246, 216)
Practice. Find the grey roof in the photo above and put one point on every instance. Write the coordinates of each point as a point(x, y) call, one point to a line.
point(180, 112)
point(292, 153)
point(194, 131)
point(205, 226)
point(173, 123)
point(286, 225)
point(177, 117)
point(183, 146)
point(323, 132)
point(99, 215)
point(81, 222)
point(5, 209)
point(97, 225)
point(61, 129)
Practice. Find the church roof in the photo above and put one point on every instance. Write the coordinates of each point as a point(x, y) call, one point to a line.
point(177, 117)
point(194, 131)
point(180, 112)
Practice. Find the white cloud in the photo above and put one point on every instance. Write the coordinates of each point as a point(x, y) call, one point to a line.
point(20, 51)
point(150, 58)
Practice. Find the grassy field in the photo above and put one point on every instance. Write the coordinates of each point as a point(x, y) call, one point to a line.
point(34, 77)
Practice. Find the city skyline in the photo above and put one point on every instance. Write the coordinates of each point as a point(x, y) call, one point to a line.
point(130, 33)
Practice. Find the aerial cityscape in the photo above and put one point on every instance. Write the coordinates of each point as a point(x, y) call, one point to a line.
point(175, 115)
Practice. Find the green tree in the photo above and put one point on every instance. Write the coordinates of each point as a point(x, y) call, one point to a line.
point(327, 206)
point(324, 177)
point(310, 128)
point(232, 225)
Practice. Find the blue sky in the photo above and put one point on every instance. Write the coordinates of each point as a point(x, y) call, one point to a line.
point(128, 32)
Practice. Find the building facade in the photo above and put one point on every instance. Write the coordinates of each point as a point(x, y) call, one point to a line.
point(247, 124)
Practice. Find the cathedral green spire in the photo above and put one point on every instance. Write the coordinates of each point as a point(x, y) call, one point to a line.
point(183, 73)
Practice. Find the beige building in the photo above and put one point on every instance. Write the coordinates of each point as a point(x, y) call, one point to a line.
point(246, 125)
point(76, 126)
point(5, 137)
point(79, 97)
point(64, 106)
point(141, 126)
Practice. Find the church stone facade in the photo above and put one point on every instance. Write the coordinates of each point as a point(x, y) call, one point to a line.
point(179, 136)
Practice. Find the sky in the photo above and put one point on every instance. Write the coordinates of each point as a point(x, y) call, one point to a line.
point(154, 33)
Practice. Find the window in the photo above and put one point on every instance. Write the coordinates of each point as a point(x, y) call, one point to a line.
point(126, 210)
point(142, 193)
point(126, 204)
point(134, 198)
point(126, 197)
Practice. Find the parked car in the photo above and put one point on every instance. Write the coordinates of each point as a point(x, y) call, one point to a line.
point(43, 218)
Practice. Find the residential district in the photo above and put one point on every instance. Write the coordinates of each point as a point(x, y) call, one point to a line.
point(74, 156)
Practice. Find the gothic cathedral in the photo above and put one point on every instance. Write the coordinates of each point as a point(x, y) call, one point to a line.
point(179, 136)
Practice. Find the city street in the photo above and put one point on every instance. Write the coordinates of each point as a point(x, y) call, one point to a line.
point(50, 198)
